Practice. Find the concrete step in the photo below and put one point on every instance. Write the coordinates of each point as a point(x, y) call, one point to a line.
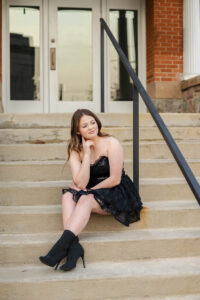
point(55, 170)
point(56, 120)
point(101, 280)
point(108, 119)
point(50, 192)
point(47, 218)
point(148, 150)
point(101, 246)
point(171, 297)
point(60, 135)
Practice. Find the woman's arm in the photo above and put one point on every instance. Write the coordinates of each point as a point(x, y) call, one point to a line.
point(115, 156)
point(81, 170)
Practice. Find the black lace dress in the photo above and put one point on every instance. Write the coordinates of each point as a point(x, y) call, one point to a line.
point(122, 200)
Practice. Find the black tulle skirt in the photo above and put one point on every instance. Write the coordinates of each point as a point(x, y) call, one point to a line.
point(122, 201)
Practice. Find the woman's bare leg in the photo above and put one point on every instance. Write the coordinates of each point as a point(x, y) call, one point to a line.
point(68, 206)
point(81, 213)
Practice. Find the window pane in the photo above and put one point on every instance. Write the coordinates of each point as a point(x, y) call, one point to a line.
point(24, 53)
point(74, 54)
point(123, 24)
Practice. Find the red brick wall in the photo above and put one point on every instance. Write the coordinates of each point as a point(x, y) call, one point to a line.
point(164, 21)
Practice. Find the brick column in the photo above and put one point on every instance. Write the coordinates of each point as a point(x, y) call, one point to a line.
point(164, 48)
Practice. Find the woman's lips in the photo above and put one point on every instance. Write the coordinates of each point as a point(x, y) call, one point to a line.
point(91, 131)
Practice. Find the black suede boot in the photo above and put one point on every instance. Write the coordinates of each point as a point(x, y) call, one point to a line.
point(59, 250)
point(74, 252)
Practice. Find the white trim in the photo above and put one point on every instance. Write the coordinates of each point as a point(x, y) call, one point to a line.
point(45, 57)
point(142, 52)
point(106, 75)
point(4, 55)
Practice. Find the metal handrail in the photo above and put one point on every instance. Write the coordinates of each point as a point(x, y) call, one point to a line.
point(138, 88)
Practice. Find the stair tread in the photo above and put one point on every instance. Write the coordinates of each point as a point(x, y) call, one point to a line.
point(150, 205)
point(171, 297)
point(61, 162)
point(125, 143)
point(109, 236)
point(58, 119)
point(152, 126)
point(167, 267)
point(60, 183)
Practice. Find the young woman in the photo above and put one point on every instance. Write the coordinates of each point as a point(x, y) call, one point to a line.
point(100, 185)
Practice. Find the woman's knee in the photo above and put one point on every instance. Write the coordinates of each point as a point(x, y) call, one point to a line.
point(67, 196)
point(86, 201)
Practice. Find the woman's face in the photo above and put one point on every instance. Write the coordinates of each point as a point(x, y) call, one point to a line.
point(88, 127)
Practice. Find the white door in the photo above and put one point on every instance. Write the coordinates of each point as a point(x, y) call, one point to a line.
point(22, 56)
point(74, 38)
point(126, 20)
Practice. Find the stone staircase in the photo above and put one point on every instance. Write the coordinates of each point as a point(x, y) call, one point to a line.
point(156, 258)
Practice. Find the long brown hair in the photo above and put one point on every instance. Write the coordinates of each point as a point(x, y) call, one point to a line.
point(75, 142)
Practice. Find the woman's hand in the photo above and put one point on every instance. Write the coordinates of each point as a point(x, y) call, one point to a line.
point(74, 187)
point(87, 145)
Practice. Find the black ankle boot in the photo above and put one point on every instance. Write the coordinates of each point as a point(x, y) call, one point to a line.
point(59, 250)
point(74, 252)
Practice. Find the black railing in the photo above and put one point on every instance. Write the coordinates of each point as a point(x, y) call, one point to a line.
point(138, 88)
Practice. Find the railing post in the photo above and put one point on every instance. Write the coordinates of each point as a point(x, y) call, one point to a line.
point(135, 137)
point(102, 68)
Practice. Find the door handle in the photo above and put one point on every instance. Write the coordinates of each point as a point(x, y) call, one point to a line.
point(53, 58)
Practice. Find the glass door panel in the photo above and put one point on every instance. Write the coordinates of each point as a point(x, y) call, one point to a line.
point(23, 89)
point(74, 46)
point(24, 33)
point(74, 54)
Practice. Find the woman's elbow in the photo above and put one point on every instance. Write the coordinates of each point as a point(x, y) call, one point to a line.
point(116, 181)
point(78, 184)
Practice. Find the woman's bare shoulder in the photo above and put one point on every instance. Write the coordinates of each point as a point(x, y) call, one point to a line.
point(109, 139)
point(113, 141)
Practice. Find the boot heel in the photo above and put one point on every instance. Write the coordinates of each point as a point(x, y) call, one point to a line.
point(83, 259)
point(57, 265)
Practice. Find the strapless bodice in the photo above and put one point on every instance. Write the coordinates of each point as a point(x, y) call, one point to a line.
point(99, 171)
